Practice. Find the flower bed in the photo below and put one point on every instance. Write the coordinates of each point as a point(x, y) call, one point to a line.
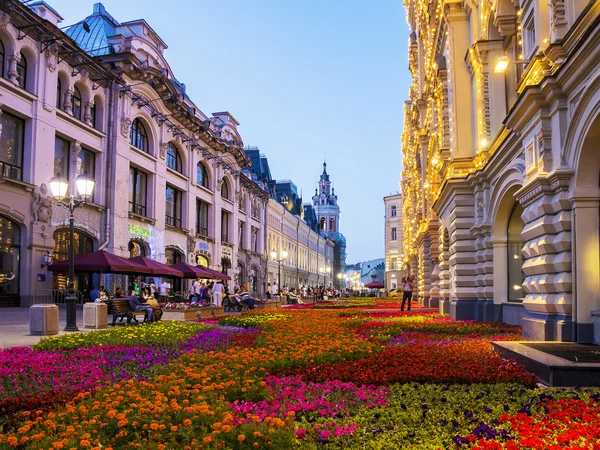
point(299, 379)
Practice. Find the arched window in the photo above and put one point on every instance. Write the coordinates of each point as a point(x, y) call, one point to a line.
point(201, 261)
point(10, 248)
point(93, 114)
point(172, 255)
point(76, 101)
point(225, 189)
point(323, 223)
point(173, 158)
point(1, 59)
point(331, 224)
point(138, 136)
point(22, 72)
point(137, 248)
point(58, 93)
point(201, 175)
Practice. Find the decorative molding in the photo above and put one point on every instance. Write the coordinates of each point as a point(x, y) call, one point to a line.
point(125, 124)
point(4, 20)
point(163, 149)
point(76, 148)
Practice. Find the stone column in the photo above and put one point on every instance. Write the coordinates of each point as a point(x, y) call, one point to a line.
point(87, 113)
point(444, 271)
point(547, 249)
point(586, 261)
point(12, 73)
point(68, 102)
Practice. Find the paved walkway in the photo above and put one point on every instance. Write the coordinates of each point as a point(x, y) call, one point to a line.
point(14, 326)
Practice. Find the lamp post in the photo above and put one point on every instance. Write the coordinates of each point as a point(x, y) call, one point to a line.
point(324, 270)
point(59, 187)
point(279, 260)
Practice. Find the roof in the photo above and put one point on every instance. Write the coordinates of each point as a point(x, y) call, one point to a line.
point(101, 25)
point(324, 175)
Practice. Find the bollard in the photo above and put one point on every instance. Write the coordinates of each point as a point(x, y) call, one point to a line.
point(43, 320)
point(95, 315)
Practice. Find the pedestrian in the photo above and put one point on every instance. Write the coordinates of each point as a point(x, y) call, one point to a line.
point(407, 294)
point(274, 290)
point(218, 292)
point(94, 294)
point(153, 287)
point(268, 291)
point(164, 291)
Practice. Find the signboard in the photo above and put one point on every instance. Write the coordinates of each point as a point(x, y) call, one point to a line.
point(203, 246)
point(41, 277)
point(140, 231)
point(226, 252)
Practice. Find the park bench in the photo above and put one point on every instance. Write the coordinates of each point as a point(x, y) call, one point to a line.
point(231, 305)
point(121, 310)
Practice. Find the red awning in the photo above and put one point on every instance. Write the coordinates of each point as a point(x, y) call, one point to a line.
point(190, 271)
point(215, 274)
point(101, 261)
point(374, 285)
point(157, 268)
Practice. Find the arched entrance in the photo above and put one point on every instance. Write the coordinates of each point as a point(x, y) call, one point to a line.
point(515, 258)
point(585, 234)
point(202, 260)
point(174, 256)
point(84, 244)
point(137, 248)
point(10, 256)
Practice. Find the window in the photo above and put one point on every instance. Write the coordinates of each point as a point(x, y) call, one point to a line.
point(201, 261)
point(201, 217)
point(394, 234)
point(241, 230)
point(393, 211)
point(2, 59)
point(225, 189)
point(323, 223)
point(529, 37)
point(61, 157)
point(93, 113)
point(394, 263)
point(83, 246)
point(515, 258)
point(138, 136)
point(86, 163)
point(173, 158)
point(10, 249)
point(331, 224)
point(225, 265)
point(224, 226)
point(76, 102)
point(173, 256)
point(173, 207)
point(11, 146)
point(138, 187)
point(22, 72)
point(58, 94)
point(201, 175)
point(254, 238)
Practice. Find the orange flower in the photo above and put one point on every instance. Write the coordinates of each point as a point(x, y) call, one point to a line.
point(187, 422)
point(207, 440)
point(241, 438)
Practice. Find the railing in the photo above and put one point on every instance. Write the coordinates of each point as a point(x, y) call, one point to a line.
point(9, 171)
point(173, 221)
point(140, 210)
point(225, 237)
point(57, 296)
point(202, 230)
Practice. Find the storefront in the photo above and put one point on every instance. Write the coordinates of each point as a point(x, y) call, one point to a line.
point(10, 256)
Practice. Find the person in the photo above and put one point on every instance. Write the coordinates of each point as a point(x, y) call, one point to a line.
point(153, 287)
point(268, 291)
point(164, 291)
point(204, 298)
point(407, 294)
point(244, 298)
point(119, 293)
point(218, 292)
point(94, 294)
point(195, 291)
point(136, 305)
point(292, 297)
point(274, 290)
point(147, 293)
point(245, 287)
point(10, 276)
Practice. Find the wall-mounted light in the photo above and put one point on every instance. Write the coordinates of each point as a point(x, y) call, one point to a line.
point(47, 259)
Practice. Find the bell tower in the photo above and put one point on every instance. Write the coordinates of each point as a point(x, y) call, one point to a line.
point(325, 204)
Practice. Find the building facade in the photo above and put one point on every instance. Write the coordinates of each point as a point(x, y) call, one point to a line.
point(393, 241)
point(172, 183)
point(501, 174)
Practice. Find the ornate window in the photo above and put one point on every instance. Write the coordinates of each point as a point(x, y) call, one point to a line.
point(138, 137)
point(225, 189)
point(173, 256)
point(61, 157)
point(76, 101)
point(137, 248)
point(394, 234)
point(201, 175)
point(22, 72)
point(11, 146)
point(173, 158)
point(516, 276)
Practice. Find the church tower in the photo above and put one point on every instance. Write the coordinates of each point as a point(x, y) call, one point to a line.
point(326, 206)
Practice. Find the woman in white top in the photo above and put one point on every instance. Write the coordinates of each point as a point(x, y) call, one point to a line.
point(218, 294)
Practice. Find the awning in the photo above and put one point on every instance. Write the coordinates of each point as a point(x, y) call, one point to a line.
point(157, 268)
point(190, 271)
point(215, 274)
point(103, 262)
point(374, 285)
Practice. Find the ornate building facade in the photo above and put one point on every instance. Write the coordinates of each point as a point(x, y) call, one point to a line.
point(501, 177)
point(172, 183)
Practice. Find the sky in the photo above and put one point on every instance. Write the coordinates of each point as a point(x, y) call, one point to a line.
point(308, 80)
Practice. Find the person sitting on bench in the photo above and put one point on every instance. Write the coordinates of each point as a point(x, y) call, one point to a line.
point(292, 297)
point(244, 298)
point(136, 305)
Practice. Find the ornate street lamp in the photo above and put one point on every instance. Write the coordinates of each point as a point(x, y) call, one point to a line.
point(59, 187)
point(279, 260)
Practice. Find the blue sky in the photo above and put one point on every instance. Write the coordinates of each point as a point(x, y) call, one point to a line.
point(307, 80)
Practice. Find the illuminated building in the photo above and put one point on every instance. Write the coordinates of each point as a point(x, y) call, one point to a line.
point(393, 241)
point(500, 180)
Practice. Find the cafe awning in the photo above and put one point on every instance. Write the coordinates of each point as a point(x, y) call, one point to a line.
point(157, 268)
point(101, 261)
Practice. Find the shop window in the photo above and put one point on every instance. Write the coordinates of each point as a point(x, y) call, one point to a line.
point(83, 244)
point(173, 207)
point(138, 187)
point(10, 249)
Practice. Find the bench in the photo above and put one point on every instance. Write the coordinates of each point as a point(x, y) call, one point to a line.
point(120, 309)
point(232, 305)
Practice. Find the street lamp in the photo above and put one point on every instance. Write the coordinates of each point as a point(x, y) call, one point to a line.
point(503, 62)
point(59, 187)
point(283, 256)
point(324, 270)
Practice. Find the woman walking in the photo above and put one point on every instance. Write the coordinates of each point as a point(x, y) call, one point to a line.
point(408, 283)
